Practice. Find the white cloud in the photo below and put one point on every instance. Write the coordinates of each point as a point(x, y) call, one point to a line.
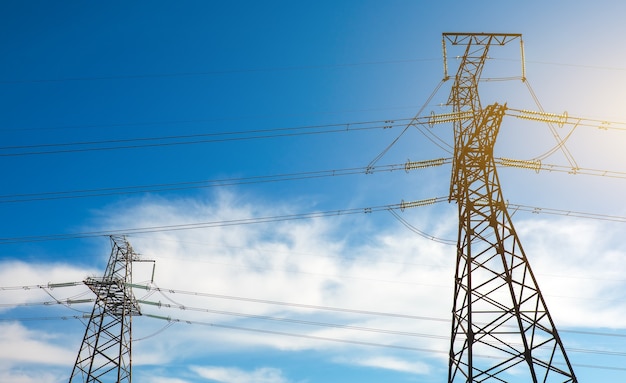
point(389, 270)
point(580, 269)
point(235, 375)
point(20, 344)
point(303, 262)
point(29, 376)
point(16, 274)
point(156, 379)
point(389, 363)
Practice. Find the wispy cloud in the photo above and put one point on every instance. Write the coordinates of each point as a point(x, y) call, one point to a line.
point(235, 375)
point(22, 345)
point(387, 270)
point(389, 363)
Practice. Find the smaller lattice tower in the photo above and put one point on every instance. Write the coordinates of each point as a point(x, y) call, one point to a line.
point(105, 354)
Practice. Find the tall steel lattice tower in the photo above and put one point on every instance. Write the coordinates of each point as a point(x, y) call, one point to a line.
point(501, 328)
point(105, 354)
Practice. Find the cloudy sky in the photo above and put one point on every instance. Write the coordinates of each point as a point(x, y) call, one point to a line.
point(230, 140)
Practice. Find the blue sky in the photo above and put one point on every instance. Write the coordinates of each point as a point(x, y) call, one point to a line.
point(130, 97)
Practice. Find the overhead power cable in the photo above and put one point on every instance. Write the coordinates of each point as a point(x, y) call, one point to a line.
point(45, 318)
point(600, 67)
point(282, 218)
point(99, 192)
point(555, 133)
point(417, 119)
point(160, 141)
point(208, 224)
point(166, 291)
point(335, 325)
point(565, 119)
point(341, 326)
point(536, 165)
point(216, 72)
point(328, 339)
point(172, 320)
point(420, 232)
point(288, 304)
point(215, 137)
point(289, 320)
point(46, 286)
point(568, 213)
point(63, 302)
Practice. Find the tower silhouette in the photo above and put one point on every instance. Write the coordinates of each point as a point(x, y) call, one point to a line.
point(105, 353)
point(501, 328)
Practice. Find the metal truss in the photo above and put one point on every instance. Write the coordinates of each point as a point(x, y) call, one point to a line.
point(501, 328)
point(105, 353)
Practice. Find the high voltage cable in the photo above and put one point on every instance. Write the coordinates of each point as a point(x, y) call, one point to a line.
point(276, 69)
point(288, 304)
point(335, 325)
point(567, 213)
point(289, 217)
point(153, 288)
point(83, 193)
point(66, 302)
point(416, 119)
point(314, 337)
point(216, 72)
point(162, 291)
point(565, 118)
point(46, 286)
point(208, 224)
point(161, 141)
point(539, 165)
point(289, 320)
point(144, 142)
point(536, 165)
point(563, 64)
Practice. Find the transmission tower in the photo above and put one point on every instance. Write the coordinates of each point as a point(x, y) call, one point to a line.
point(105, 354)
point(501, 328)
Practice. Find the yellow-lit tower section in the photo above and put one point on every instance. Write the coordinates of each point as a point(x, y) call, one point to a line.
point(501, 328)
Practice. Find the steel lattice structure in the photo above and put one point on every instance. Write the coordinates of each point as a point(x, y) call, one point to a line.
point(105, 353)
point(501, 328)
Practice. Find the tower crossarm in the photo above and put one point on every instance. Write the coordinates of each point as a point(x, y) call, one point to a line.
point(116, 297)
point(464, 97)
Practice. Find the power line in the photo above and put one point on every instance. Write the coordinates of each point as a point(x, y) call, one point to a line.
point(98, 192)
point(208, 224)
point(567, 213)
point(216, 72)
point(355, 342)
point(191, 139)
point(585, 66)
point(565, 119)
point(202, 138)
point(164, 291)
point(46, 286)
point(172, 320)
point(63, 302)
point(287, 304)
point(289, 217)
point(289, 320)
point(335, 325)
point(536, 165)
